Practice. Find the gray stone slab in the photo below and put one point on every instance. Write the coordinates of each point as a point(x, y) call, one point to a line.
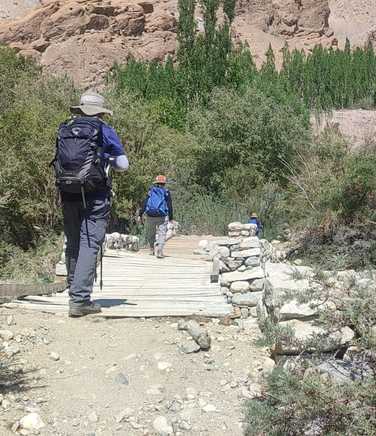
point(248, 275)
point(246, 253)
point(250, 299)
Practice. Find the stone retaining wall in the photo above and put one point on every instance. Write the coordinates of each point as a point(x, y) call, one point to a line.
point(241, 266)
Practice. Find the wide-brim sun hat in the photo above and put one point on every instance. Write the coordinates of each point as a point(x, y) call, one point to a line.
point(161, 179)
point(91, 104)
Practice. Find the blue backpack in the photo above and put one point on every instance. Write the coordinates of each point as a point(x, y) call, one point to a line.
point(157, 203)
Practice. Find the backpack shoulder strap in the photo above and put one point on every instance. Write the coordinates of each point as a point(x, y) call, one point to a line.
point(63, 124)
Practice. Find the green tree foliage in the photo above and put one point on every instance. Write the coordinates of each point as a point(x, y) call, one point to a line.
point(31, 108)
point(209, 119)
point(246, 140)
point(206, 59)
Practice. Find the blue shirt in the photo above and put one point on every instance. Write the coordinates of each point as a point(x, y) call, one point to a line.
point(112, 146)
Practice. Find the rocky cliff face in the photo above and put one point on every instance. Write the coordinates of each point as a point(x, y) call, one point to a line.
point(15, 8)
point(83, 38)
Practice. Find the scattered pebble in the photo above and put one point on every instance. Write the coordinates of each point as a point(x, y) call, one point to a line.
point(164, 366)
point(124, 415)
point(185, 425)
point(6, 403)
point(6, 335)
point(11, 320)
point(209, 408)
point(54, 356)
point(190, 347)
point(155, 390)
point(162, 427)
point(93, 417)
point(190, 393)
point(11, 350)
point(32, 421)
point(122, 379)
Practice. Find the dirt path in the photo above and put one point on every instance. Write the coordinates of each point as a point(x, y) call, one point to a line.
point(114, 377)
point(96, 376)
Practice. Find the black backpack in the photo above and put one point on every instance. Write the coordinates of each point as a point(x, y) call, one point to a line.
point(77, 163)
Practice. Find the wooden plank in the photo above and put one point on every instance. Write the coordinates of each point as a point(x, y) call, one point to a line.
point(144, 313)
point(138, 285)
point(214, 275)
point(10, 291)
point(121, 304)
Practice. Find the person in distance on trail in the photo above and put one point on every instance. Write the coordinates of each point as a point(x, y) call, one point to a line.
point(158, 210)
point(253, 219)
point(86, 148)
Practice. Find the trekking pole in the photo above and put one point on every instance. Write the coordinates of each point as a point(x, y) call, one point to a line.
point(101, 269)
point(85, 206)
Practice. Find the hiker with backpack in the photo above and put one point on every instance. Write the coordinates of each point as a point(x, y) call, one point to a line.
point(86, 148)
point(254, 219)
point(157, 207)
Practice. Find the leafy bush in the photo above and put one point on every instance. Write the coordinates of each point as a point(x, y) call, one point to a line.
point(245, 140)
point(32, 106)
point(28, 123)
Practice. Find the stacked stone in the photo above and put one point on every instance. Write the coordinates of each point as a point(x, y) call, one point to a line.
point(113, 241)
point(240, 264)
point(117, 241)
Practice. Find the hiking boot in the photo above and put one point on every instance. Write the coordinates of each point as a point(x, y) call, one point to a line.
point(83, 309)
point(159, 253)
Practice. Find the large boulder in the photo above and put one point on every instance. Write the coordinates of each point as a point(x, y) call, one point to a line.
point(295, 310)
point(284, 277)
point(312, 336)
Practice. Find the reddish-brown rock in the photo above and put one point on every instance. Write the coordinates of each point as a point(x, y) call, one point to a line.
point(83, 38)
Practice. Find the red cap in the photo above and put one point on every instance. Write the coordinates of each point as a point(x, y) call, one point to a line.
point(161, 179)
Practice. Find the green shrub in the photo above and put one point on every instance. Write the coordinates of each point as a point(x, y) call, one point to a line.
point(28, 126)
point(300, 398)
point(296, 404)
point(245, 139)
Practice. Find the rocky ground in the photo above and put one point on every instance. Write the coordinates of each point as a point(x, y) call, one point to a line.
point(129, 377)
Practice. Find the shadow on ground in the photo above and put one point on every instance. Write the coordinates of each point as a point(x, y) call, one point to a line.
point(13, 378)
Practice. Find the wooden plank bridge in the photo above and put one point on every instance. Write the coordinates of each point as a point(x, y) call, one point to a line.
point(139, 285)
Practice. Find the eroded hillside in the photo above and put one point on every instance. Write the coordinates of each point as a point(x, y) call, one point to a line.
point(84, 37)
